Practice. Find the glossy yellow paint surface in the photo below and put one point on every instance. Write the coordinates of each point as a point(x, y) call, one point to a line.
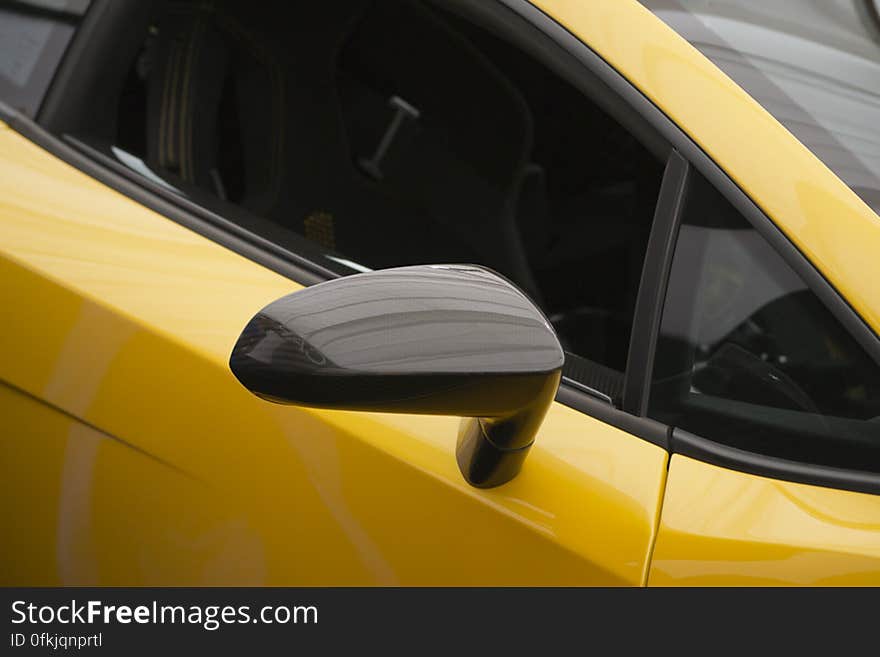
point(89, 509)
point(827, 221)
point(125, 320)
point(720, 527)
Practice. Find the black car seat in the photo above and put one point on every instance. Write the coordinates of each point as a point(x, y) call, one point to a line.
point(278, 116)
point(462, 160)
point(216, 114)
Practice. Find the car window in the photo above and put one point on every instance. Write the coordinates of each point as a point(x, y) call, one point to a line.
point(395, 133)
point(33, 37)
point(750, 357)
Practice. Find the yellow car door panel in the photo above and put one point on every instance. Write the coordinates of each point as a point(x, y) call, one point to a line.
point(126, 320)
point(720, 527)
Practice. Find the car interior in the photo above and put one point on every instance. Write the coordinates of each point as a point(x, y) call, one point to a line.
point(389, 133)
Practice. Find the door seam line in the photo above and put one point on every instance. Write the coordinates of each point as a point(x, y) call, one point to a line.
point(652, 543)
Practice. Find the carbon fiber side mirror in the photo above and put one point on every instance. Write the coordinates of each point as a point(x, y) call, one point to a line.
point(437, 340)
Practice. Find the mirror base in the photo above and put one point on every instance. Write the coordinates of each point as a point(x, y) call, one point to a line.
point(483, 464)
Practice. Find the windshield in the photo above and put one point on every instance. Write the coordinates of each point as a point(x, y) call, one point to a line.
point(813, 64)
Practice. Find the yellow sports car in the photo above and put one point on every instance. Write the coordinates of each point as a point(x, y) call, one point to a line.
point(440, 292)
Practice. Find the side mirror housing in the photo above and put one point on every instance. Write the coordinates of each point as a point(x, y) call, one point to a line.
point(438, 340)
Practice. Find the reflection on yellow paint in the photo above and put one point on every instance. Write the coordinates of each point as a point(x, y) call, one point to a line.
point(83, 509)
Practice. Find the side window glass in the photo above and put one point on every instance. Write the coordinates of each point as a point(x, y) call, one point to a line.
point(750, 357)
point(33, 37)
point(397, 132)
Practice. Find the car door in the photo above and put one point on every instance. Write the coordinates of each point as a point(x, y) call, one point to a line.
point(137, 458)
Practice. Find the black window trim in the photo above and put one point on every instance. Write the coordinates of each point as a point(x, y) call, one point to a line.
point(587, 66)
point(652, 288)
point(725, 456)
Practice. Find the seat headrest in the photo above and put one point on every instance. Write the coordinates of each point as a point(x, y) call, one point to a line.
point(188, 66)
